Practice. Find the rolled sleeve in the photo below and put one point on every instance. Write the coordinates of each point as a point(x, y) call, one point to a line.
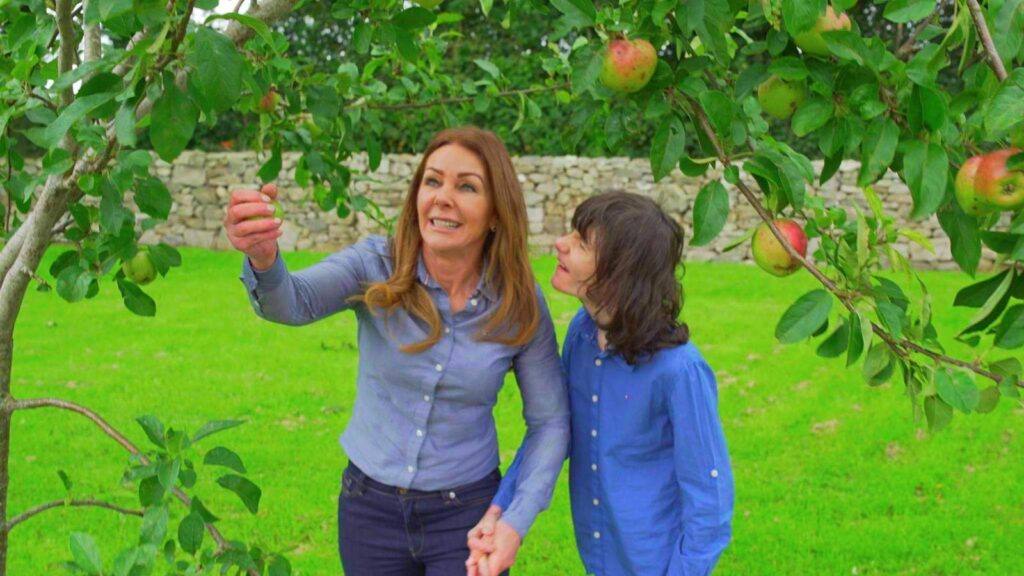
point(546, 412)
point(703, 471)
point(310, 294)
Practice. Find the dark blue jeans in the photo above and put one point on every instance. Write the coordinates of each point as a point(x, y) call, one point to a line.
point(388, 531)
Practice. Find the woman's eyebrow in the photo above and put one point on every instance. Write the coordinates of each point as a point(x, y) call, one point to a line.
point(461, 174)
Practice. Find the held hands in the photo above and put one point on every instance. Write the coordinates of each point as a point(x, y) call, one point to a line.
point(492, 545)
point(251, 224)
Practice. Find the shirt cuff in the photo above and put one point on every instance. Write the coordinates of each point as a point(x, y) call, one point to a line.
point(267, 279)
point(520, 517)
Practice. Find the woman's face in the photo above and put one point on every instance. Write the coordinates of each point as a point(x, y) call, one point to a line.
point(577, 262)
point(453, 203)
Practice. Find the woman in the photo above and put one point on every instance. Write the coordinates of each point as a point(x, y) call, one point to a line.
point(650, 482)
point(444, 309)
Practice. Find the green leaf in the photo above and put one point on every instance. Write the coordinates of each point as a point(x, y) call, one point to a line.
point(963, 235)
point(272, 167)
point(361, 38)
point(837, 341)
point(153, 198)
point(65, 480)
point(1010, 332)
point(485, 6)
point(258, 26)
point(153, 428)
point(720, 111)
point(878, 365)
point(957, 390)
point(804, 317)
point(710, 211)
point(488, 66)
point(585, 70)
point(667, 147)
point(221, 456)
point(135, 300)
point(1006, 110)
point(110, 9)
point(248, 492)
point(992, 308)
point(218, 68)
point(975, 295)
point(190, 533)
point(167, 472)
point(812, 114)
point(927, 109)
point(174, 120)
point(892, 316)
point(197, 507)
point(215, 426)
point(903, 11)
point(154, 526)
point(414, 18)
point(788, 68)
point(151, 492)
point(926, 169)
point(938, 413)
point(578, 13)
point(878, 150)
point(70, 116)
point(86, 553)
point(279, 566)
point(800, 15)
point(73, 283)
point(988, 399)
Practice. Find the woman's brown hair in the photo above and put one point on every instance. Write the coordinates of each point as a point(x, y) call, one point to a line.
point(638, 248)
point(508, 271)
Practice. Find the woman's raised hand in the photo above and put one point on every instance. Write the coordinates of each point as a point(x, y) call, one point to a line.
point(253, 224)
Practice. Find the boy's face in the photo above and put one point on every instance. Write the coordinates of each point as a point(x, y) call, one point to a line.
point(577, 262)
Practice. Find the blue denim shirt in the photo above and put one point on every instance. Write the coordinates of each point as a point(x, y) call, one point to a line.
point(424, 421)
point(649, 476)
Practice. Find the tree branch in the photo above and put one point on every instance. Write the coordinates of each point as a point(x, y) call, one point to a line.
point(986, 40)
point(899, 345)
point(61, 503)
point(93, 37)
point(117, 437)
point(269, 11)
point(68, 45)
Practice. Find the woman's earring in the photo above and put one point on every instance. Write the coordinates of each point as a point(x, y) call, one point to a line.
point(494, 227)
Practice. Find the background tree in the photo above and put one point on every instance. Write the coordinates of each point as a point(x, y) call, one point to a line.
point(913, 86)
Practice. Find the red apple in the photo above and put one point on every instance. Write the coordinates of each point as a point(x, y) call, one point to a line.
point(996, 186)
point(769, 253)
point(810, 41)
point(628, 64)
point(966, 194)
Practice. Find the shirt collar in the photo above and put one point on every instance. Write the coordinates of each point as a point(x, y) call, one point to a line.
point(589, 333)
point(482, 287)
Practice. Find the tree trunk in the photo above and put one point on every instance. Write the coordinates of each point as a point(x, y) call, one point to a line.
point(6, 349)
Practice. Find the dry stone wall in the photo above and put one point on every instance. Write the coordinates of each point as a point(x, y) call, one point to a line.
point(201, 183)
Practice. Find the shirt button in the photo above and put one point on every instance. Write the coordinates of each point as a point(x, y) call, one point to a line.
point(411, 468)
point(593, 433)
point(451, 495)
point(597, 361)
point(426, 397)
point(593, 467)
point(419, 432)
point(596, 502)
point(714, 473)
point(447, 330)
point(438, 367)
point(473, 301)
point(597, 535)
point(594, 398)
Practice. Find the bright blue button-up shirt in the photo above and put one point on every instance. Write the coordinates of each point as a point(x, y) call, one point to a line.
point(649, 475)
point(424, 421)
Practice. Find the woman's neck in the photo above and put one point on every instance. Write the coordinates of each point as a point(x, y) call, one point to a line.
point(457, 274)
point(601, 317)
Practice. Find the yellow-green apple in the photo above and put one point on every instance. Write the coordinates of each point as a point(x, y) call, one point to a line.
point(628, 64)
point(140, 268)
point(810, 41)
point(780, 98)
point(771, 255)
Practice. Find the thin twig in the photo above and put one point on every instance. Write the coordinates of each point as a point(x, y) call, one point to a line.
point(61, 503)
point(986, 40)
point(894, 343)
point(116, 436)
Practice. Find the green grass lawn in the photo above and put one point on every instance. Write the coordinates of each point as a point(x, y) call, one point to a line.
point(832, 477)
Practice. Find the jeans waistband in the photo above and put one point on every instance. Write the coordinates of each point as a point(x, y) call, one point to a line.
point(368, 482)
